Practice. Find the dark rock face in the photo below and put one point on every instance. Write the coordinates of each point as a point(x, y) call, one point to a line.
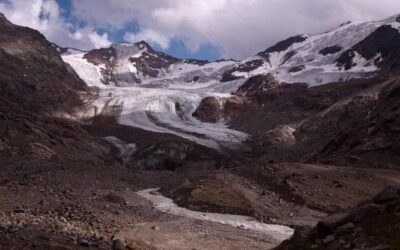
point(283, 45)
point(265, 55)
point(345, 61)
point(345, 23)
point(31, 69)
point(330, 50)
point(257, 85)
point(339, 123)
point(228, 76)
point(249, 66)
point(296, 69)
point(118, 245)
point(384, 41)
point(35, 83)
point(208, 110)
point(196, 62)
point(103, 56)
point(100, 56)
point(195, 78)
point(372, 225)
point(148, 63)
point(246, 67)
point(232, 106)
point(4, 20)
point(287, 57)
point(152, 60)
point(361, 130)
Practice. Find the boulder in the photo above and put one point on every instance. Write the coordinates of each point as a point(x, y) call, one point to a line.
point(328, 224)
point(232, 106)
point(209, 110)
point(117, 244)
point(389, 194)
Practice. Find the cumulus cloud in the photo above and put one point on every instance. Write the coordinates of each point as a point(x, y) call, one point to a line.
point(240, 27)
point(99, 41)
point(149, 36)
point(44, 15)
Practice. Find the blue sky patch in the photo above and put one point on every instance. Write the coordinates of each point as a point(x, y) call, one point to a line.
point(177, 47)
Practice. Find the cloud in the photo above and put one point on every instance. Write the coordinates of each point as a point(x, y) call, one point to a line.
point(99, 41)
point(44, 15)
point(240, 27)
point(149, 36)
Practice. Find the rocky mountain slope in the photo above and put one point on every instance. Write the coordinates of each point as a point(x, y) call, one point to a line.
point(350, 123)
point(35, 86)
point(335, 123)
point(374, 224)
point(39, 151)
point(32, 69)
point(133, 64)
point(340, 54)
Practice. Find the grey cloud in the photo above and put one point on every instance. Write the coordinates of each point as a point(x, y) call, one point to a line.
point(28, 13)
point(241, 27)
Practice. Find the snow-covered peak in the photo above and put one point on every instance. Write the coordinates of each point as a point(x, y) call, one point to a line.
point(126, 64)
point(129, 50)
point(315, 59)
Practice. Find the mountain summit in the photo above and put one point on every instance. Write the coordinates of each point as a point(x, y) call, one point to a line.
point(352, 50)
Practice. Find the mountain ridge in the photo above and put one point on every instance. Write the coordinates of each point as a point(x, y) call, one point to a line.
point(312, 59)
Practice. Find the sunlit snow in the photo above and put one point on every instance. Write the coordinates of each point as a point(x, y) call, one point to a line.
point(318, 68)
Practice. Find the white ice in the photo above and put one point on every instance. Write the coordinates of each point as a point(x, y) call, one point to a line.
point(90, 73)
point(164, 108)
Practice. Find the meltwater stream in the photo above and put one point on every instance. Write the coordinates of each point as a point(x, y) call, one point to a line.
point(167, 205)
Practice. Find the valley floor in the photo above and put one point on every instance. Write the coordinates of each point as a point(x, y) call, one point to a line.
point(73, 204)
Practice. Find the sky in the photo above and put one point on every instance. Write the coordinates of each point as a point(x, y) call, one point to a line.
point(200, 29)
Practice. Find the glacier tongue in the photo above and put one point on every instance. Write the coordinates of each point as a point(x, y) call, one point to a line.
point(164, 108)
point(159, 93)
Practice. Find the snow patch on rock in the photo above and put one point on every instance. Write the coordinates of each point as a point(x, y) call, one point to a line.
point(88, 72)
point(303, 62)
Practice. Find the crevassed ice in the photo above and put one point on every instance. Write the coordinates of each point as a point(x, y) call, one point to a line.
point(153, 107)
